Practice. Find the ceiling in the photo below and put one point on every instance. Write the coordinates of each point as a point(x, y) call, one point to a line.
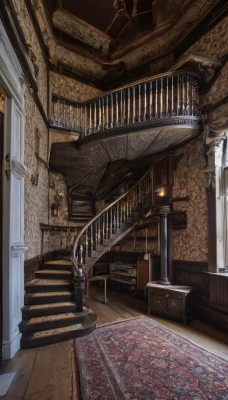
point(111, 42)
point(96, 168)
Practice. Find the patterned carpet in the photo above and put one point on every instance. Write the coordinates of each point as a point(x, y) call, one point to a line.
point(139, 359)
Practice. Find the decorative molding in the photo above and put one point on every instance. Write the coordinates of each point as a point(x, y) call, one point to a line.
point(18, 249)
point(17, 169)
point(210, 184)
point(81, 30)
point(17, 40)
point(164, 210)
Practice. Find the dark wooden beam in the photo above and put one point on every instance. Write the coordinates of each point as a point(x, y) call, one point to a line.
point(217, 13)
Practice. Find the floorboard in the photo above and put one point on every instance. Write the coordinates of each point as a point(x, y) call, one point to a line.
point(46, 373)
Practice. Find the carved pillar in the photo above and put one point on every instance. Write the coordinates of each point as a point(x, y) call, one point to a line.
point(164, 212)
point(214, 187)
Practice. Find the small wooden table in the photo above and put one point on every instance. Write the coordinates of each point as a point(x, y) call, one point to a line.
point(168, 300)
point(96, 278)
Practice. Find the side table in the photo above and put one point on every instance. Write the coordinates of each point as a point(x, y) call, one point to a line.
point(168, 300)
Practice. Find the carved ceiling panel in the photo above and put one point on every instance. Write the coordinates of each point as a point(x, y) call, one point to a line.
point(139, 142)
point(133, 34)
point(98, 167)
point(115, 147)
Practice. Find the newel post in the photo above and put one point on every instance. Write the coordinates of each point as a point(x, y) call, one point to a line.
point(79, 286)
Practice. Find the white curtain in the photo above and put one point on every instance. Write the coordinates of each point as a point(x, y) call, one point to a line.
point(225, 191)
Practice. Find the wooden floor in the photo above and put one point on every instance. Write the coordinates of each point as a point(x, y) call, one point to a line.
point(47, 373)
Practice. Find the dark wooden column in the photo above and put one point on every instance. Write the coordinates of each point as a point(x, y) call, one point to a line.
point(164, 212)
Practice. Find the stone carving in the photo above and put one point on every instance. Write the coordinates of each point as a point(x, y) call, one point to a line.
point(210, 184)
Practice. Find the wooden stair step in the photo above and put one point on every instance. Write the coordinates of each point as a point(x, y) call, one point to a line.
point(58, 265)
point(48, 297)
point(38, 310)
point(53, 274)
point(48, 285)
point(51, 322)
point(50, 336)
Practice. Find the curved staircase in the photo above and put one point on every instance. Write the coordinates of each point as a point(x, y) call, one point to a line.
point(50, 314)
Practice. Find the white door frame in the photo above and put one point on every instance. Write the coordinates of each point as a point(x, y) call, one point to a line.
point(14, 171)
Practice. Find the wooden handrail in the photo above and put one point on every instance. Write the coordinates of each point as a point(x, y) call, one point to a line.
point(162, 96)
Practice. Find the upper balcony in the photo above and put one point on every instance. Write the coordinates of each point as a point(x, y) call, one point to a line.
point(120, 131)
point(165, 100)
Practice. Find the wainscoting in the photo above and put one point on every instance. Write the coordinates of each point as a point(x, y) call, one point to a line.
point(209, 300)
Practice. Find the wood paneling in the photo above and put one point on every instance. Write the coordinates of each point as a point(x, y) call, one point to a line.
point(219, 291)
point(192, 273)
point(30, 267)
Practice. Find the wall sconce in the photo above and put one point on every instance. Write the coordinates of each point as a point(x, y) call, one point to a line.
point(34, 179)
point(161, 191)
point(57, 201)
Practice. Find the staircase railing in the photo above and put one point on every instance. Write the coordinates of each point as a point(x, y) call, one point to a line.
point(112, 223)
point(173, 94)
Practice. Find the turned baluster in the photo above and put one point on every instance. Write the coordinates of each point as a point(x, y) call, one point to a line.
point(151, 99)
point(172, 98)
point(112, 111)
point(107, 119)
point(117, 110)
point(145, 102)
point(139, 104)
point(128, 105)
point(133, 100)
point(161, 99)
point(156, 100)
point(95, 117)
point(178, 95)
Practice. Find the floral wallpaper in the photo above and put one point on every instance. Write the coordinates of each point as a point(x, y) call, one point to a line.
point(72, 89)
point(36, 181)
point(189, 180)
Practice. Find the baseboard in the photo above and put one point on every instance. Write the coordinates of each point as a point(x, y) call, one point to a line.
point(10, 348)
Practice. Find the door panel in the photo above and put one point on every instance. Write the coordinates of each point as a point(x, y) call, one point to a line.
point(1, 299)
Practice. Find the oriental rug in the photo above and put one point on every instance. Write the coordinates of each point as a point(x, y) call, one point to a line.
point(139, 359)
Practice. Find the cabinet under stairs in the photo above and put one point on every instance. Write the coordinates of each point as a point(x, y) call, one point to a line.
point(49, 315)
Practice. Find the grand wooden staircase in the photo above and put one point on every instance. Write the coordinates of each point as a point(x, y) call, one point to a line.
point(165, 109)
point(54, 307)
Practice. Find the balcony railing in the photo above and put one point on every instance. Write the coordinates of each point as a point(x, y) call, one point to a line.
point(147, 101)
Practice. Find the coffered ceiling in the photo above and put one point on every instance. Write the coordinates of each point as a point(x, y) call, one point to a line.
point(109, 42)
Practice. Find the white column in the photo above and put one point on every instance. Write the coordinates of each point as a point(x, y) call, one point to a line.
point(13, 196)
point(214, 173)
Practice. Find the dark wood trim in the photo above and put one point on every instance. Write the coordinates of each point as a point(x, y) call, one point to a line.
point(55, 255)
point(77, 75)
point(43, 47)
point(31, 265)
point(211, 107)
point(191, 266)
point(192, 273)
point(217, 13)
point(17, 39)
